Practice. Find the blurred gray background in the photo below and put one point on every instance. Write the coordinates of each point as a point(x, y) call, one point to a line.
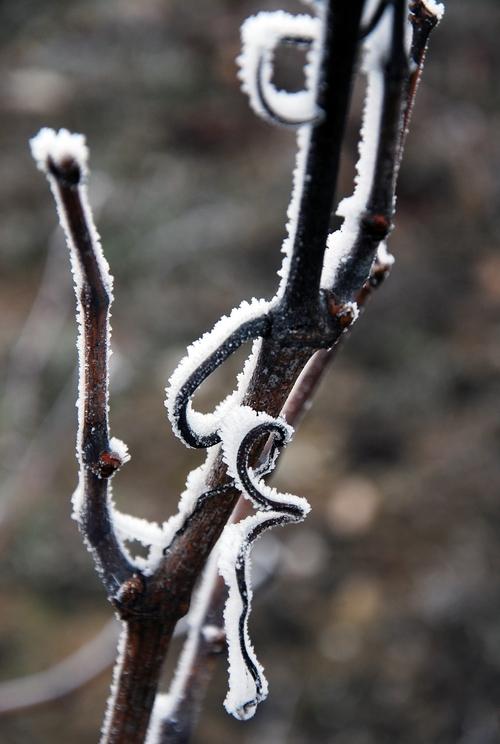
point(382, 623)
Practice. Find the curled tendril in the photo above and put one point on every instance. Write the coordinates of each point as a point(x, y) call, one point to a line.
point(193, 428)
point(262, 48)
point(252, 488)
point(373, 22)
point(269, 111)
point(261, 35)
point(244, 429)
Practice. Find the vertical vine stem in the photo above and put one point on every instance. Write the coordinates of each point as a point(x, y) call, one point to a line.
point(177, 718)
point(201, 650)
point(339, 50)
point(298, 330)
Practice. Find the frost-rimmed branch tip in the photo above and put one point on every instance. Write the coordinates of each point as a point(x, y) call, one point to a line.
point(63, 157)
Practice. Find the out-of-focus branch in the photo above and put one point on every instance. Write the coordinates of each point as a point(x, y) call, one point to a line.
point(424, 20)
point(34, 348)
point(64, 678)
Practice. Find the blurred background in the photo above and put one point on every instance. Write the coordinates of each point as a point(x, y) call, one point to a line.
point(382, 622)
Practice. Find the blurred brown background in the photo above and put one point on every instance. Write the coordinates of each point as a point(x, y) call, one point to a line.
point(383, 621)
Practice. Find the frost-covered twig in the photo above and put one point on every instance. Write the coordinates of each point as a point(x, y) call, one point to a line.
point(65, 677)
point(63, 158)
point(177, 714)
point(396, 105)
point(314, 305)
point(240, 432)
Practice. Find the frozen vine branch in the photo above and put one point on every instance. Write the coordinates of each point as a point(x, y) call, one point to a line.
point(323, 278)
point(177, 711)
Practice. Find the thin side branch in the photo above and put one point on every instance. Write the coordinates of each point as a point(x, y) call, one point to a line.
point(63, 158)
point(65, 677)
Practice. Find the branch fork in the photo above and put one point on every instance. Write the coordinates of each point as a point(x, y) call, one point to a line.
point(325, 280)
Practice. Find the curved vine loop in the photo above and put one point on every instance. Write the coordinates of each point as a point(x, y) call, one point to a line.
point(263, 75)
point(261, 36)
point(247, 323)
point(241, 432)
point(374, 20)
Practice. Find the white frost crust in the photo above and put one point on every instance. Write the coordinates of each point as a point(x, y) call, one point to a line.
point(340, 242)
point(197, 353)
point(237, 424)
point(242, 697)
point(241, 687)
point(437, 9)
point(161, 711)
point(383, 255)
point(59, 147)
point(303, 139)
point(353, 309)
point(211, 633)
point(260, 36)
point(128, 527)
point(77, 502)
point(119, 448)
point(120, 655)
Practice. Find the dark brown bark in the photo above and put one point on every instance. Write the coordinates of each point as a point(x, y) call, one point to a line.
point(145, 642)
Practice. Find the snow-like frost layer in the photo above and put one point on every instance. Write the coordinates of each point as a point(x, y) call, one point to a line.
point(129, 527)
point(119, 448)
point(260, 36)
point(120, 655)
point(160, 712)
point(199, 352)
point(242, 696)
point(340, 243)
point(247, 683)
point(383, 256)
point(437, 9)
point(59, 147)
